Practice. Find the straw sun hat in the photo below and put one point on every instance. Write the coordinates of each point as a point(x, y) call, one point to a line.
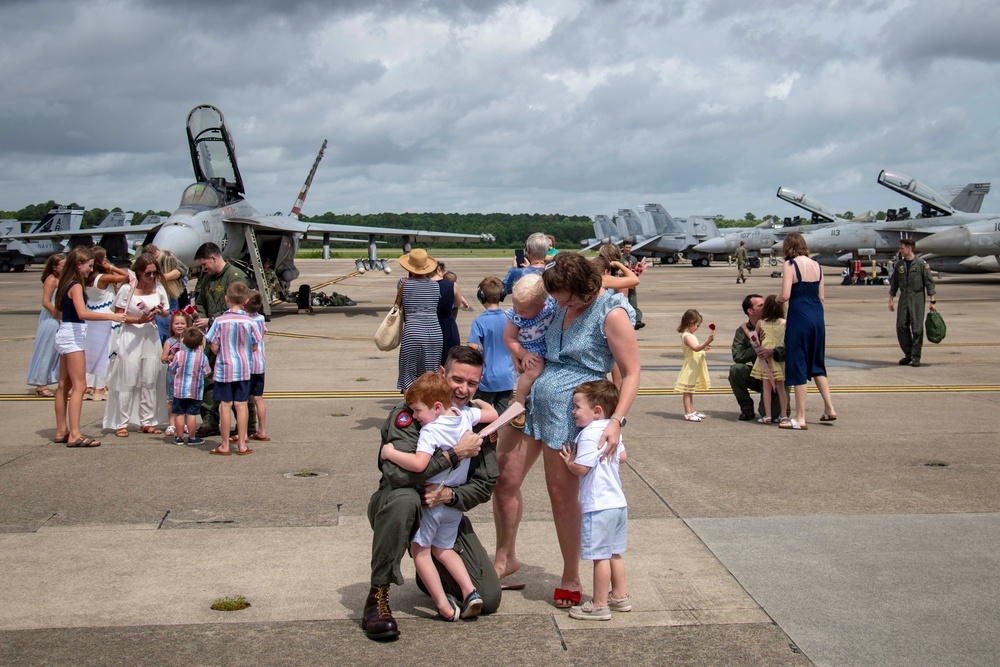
point(418, 262)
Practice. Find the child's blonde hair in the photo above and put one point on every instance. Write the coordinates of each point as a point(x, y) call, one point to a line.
point(530, 289)
point(690, 316)
point(429, 388)
point(237, 294)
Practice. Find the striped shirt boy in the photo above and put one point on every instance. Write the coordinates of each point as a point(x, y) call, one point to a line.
point(235, 334)
point(189, 368)
point(257, 359)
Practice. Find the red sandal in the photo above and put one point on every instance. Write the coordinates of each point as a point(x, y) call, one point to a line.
point(564, 599)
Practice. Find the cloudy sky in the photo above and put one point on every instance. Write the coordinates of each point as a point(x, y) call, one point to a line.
point(554, 106)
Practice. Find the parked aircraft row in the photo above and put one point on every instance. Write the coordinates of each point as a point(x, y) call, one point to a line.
point(215, 209)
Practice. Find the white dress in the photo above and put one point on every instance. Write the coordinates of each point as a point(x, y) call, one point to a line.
point(98, 332)
point(136, 376)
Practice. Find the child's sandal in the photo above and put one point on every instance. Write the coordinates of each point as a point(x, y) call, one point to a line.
point(693, 417)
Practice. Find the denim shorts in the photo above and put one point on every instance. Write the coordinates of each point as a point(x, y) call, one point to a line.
point(232, 392)
point(603, 533)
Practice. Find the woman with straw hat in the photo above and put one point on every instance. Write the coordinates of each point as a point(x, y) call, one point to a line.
point(421, 343)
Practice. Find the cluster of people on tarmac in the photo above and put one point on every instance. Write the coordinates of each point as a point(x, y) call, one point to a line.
point(124, 337)
point(569, 328)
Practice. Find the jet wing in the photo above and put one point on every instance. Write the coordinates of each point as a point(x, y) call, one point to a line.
point(283, 223)
point(646, 241)
point(93, 231)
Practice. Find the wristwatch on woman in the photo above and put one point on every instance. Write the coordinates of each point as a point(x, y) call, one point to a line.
point(621, 420)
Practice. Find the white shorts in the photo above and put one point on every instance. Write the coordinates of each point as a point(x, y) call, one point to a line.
point(603, 533)
point(70, 337)
point(438, 527)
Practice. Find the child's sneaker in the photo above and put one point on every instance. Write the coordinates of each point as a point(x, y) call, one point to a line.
point(195, 441)
point(178, 441)
point(588, 612)
point(471, 605)
point(620, 604)
point(170, 431)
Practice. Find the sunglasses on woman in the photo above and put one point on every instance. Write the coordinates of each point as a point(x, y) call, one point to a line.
point(150, 274)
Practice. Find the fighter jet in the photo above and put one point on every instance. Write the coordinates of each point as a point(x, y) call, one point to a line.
point(18, 251)
point(763, 237)
point(657, 233)
point(215, 209)
point(604, 232)
point(980, 239)
point(882, 238)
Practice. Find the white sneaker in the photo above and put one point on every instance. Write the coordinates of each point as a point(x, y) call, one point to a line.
point(620, 604)
point(588, 612)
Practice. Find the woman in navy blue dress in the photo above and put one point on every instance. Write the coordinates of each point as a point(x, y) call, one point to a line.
point(805, 328)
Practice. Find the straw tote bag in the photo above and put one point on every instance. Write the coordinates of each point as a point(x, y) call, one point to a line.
point(391, 330)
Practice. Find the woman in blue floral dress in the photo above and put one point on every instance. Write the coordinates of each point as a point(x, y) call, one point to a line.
point(591, 331)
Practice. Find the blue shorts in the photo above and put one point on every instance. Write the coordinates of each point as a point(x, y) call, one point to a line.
point(185, 406)
point(257, 384)
point(232, 392)
point(438, 527)
point(603, 533)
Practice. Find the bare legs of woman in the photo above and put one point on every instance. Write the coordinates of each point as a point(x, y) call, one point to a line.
point(516, 453)
point(72, 375)
point(800, 399)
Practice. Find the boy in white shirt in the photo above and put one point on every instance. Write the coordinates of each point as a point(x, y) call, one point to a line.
point(605, 512)
point(441, 426)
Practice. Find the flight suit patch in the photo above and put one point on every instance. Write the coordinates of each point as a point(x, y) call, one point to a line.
point(404, 419)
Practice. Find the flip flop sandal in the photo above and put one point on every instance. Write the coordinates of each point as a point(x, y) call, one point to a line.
point(828, 418)
point(121, 432)
point(792, 424)
point(261, 438)
point(84, 441)
point(219, 452)
point(693, 417)
point(151, 430)
point(246, 451)
point(61, 440)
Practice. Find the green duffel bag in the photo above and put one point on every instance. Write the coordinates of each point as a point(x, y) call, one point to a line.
point(935, 327)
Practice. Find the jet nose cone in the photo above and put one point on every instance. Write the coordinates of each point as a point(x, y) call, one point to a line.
point(712, 246)
point(178, 239)
point(955, 241)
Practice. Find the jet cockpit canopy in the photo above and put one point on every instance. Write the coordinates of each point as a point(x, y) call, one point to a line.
point(933, 203)
point(213, 154)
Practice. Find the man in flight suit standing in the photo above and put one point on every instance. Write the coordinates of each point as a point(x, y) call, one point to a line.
point(394, 510)
point(911, 277)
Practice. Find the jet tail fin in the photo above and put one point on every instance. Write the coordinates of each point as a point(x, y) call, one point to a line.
point(970, 198)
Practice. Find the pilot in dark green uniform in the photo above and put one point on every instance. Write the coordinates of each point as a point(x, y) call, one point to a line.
point(742, 263)
point(394, 510)
point(911, 278)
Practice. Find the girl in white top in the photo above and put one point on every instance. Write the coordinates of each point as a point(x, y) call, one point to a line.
point(101, 287)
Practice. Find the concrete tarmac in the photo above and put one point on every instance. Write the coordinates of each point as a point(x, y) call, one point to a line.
point(869, 540)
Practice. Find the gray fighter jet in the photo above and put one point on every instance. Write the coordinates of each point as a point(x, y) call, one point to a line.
point(18, 251)
point(880, 240)
point(215, 209)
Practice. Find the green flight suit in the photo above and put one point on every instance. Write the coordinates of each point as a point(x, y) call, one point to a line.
point(741, 264)
point(210, 300)
point(739, 373)
point(910, 283)
point(395, 509)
